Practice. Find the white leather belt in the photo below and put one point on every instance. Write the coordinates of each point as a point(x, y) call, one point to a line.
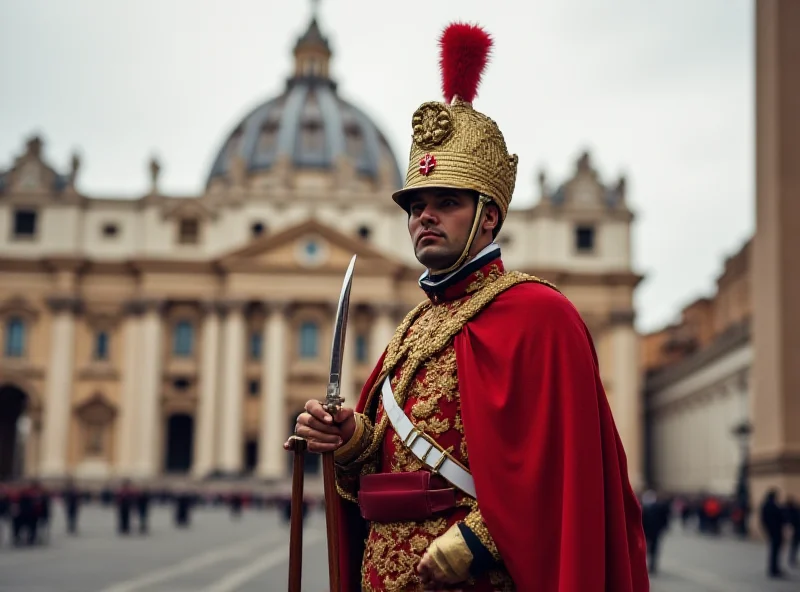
point(423, 447)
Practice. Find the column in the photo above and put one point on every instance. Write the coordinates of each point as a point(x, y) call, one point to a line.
point(272, 459)
point(230, 445)
point(126, 424)
point(382, 331)
point(147, 431)
point(627, 392)
point(205, 439)
point(58, 394)
point(775, 402)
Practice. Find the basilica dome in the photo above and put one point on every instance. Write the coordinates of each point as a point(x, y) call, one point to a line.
point(309, 125)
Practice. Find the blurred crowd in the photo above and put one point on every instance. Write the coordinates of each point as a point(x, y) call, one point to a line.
point(26, 511)
point(26, 507)
point(713, 515)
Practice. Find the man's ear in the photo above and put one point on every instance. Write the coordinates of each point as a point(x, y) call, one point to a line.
point(491, 217)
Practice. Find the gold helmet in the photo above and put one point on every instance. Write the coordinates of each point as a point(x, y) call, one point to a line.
point(454, 146)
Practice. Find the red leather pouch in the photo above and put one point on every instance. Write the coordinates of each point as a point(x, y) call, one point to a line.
point(403, 497)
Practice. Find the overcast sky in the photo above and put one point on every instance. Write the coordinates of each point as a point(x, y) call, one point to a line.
point(661, 90)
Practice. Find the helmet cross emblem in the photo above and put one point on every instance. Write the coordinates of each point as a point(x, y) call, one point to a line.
point(426, 164)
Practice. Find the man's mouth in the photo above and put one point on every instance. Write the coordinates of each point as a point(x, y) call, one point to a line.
point(428, 234)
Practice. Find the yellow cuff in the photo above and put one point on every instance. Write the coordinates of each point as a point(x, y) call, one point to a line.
point(451, 554)
point(350, 450)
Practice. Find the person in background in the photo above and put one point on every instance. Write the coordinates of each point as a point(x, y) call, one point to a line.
point(71, 498)
point(183, 507)
point(125, 499)
point(712, 510)
point(5, 509)
point(655, 520)
point(236, 502)
point(143, 508)
point(772, 520)
point(42, 505)
point(792, 517)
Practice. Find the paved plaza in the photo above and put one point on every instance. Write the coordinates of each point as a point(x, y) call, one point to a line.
point(220, 554)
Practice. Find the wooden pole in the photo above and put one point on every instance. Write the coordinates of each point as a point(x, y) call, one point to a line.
point(298, 445)
point(331, 520)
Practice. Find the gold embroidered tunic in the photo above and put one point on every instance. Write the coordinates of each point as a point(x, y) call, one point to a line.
point(431, 400)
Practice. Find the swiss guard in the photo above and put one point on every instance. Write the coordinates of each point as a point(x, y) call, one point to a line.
point(482, 454)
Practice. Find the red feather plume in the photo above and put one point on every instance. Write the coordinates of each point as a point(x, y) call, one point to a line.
point(464, 54)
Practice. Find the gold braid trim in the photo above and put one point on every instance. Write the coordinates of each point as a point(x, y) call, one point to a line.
point(362, 435)
point(420, 347)
point(344, 493)
point(474, 521)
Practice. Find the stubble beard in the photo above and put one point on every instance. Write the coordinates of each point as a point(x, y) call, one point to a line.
point(436, 258)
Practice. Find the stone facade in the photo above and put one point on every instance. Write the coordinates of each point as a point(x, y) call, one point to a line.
point(697, 388)
point(174, 334)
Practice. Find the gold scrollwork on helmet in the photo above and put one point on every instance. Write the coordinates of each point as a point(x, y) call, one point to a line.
point(432, 123)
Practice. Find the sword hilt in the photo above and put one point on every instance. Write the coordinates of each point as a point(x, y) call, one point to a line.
point(333, 398)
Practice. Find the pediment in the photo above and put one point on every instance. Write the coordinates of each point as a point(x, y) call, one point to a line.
point(311, 246)
point(187, 208)
point(18, 305)
point(30, 174)
point(586, 192)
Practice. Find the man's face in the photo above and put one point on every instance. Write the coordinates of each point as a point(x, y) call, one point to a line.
point(439, 222)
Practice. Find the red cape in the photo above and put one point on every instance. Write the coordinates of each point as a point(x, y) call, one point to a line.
point(549, 468)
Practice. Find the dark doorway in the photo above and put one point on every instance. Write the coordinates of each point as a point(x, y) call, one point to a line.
point(312, 460)
point(180, 443)
point(250, 455)
point(12, 405)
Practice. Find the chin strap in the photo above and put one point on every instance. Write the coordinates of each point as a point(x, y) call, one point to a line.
point(482, 201)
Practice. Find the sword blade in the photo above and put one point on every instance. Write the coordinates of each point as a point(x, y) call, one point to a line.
point(333, 399)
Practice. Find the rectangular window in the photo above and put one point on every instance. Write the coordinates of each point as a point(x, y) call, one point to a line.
point(15, 338)
point(309, 334)
point(24, 224)
point(254, 388)
point(189, 231)
point(182, 341)
point(361, 348)
point(584, 238)
point(255, 346)
point(101, 345)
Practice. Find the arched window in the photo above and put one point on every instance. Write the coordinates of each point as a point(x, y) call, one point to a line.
point(312, 137)
point(268, 138)
point(183, 338)
point(101, 345)
point(309, 335)
point(15, 338)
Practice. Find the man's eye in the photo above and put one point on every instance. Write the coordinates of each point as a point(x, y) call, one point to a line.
point(449, 202)
point(416, 209)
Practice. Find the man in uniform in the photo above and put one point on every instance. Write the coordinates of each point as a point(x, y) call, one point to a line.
point(482, 454)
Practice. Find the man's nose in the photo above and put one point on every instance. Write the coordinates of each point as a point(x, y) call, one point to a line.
point(427, 216)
